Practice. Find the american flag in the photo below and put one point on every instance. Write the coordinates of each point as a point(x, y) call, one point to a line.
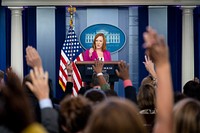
point(71, 51)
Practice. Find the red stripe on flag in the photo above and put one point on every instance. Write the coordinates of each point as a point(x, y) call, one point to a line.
point(71, 50)
point(63, 73)
point(78, 78)
point(75, 87)
point(77, 73)
point(63, 60)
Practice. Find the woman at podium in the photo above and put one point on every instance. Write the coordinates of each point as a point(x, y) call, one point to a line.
point(98, 50)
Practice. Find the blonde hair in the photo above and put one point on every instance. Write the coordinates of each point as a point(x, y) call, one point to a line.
point(115, 115)
point(104, 41)
point(149, 80)
point(146, 97)
point(187, 116)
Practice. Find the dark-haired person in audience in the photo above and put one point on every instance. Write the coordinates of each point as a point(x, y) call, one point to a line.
point(15, 110)
point(187, 116)
point(39, 86)
point(178, 96)
point(74, 113)
point(192, 89)
point(95, 95)
point(110, 93)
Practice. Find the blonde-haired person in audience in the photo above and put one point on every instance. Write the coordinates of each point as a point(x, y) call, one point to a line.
point(146, 99)
point(157, 50)
point(187, 116)
point(115, 115)
point(192, 89)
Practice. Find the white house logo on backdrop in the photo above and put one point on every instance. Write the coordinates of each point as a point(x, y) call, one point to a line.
point(115, 38)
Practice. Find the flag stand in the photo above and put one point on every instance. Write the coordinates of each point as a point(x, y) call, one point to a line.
point(70, 53)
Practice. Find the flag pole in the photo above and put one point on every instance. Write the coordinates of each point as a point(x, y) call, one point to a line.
point(70, 52)
point(71, 11)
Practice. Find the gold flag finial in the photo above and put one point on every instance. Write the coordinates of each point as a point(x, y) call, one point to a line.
point(71, 11)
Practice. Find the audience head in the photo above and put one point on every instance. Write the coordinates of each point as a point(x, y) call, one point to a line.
point(178, 96)
point(75, 112)
point(14, 106)
point(192, 89)
point(187, 116)
point(115, 115)
point(110, 93)
point(95, 95)
point(146, 97)
point(104, 41)
point(149, 80)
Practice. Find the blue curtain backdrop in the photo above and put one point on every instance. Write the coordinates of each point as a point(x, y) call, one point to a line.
point(175, 44)
point(60, 37)
point(29, 32)
point(29, 38)
point(8, 37)
point(196, 41)
point(2, 38)
point(143, 23)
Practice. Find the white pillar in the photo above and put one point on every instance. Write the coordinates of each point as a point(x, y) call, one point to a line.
point(16, 40)
point(187, 44)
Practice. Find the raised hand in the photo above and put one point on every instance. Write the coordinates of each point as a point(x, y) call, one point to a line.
point(149, 65)
point(123, 72)
point(32, 57)
point(91, 51)
point(69, 68)
point(157, 50)
point(39, 85)
point(69, 72)
point(155, 46)
point(98, 66)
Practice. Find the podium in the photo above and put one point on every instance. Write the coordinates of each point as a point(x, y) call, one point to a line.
point(86, 70)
